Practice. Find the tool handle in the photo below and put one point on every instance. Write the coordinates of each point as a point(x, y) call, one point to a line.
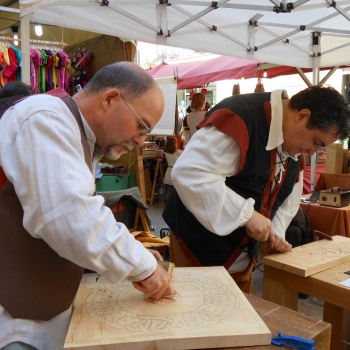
point(295, 342)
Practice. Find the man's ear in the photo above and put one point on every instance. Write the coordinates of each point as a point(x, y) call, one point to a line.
point(109, 95)
point(303, 115)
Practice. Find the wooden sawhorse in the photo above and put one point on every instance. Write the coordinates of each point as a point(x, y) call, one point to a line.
point(158, 170)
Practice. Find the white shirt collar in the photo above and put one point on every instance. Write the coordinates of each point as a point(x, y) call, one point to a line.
point(276, 134)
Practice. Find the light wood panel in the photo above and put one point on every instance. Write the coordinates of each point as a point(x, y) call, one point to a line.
point(311, 258)
point(211, 312)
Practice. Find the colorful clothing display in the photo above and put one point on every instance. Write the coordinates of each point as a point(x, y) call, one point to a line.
point(49, 69)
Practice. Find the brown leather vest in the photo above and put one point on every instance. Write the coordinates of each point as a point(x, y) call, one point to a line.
point(36, 283)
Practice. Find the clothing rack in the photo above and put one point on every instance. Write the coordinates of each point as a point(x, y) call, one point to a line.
point(37, 43)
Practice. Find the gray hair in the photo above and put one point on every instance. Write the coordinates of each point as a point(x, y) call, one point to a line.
point(132, 80)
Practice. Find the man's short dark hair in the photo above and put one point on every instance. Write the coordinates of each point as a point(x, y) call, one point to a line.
point(132, 80)
point(15, 88)
point(327, 106)
point(11, 93)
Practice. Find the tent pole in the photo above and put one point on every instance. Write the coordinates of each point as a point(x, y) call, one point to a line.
point(25, 48)
point(316, 36)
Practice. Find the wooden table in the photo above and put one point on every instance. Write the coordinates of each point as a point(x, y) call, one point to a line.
point(330, 220)
point(327, 181)
point(289, 322)
point(282, 288)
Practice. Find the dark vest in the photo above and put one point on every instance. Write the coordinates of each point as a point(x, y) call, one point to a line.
point(247, 119)
point(36, 283)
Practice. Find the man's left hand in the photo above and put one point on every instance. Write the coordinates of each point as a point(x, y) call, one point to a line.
point(279, 245)
point(156, 254)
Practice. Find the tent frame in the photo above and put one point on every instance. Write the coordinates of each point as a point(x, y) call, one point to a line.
point(164, 32)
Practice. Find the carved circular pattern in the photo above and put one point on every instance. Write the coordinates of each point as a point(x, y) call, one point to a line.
point(311, 254)
point(210, 303)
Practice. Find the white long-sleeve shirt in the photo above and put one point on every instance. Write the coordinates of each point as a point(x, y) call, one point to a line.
point(42, 156)
point(199, 177)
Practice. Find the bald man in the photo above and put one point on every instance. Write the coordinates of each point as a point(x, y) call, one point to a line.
point(52, 225)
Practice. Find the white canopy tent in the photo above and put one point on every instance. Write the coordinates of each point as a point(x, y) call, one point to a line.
point(254, 29)
point(303, 33)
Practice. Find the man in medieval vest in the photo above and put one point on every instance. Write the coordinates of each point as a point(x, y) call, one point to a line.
point(51, 224)
point(239, 181)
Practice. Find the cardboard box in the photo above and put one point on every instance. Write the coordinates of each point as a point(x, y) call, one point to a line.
point(346, 168)
point(334, 158)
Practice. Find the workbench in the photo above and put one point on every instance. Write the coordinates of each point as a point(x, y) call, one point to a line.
point(282, 287)
point(289, 322)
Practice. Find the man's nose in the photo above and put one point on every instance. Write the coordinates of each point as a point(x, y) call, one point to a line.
point(139, 140)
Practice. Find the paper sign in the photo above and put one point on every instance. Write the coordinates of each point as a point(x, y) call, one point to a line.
point(345, 283)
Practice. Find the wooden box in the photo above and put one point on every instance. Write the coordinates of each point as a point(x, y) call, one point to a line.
point(211, 312)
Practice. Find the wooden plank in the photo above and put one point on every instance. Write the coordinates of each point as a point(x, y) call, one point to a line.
point(312, 258)
point(211, 312)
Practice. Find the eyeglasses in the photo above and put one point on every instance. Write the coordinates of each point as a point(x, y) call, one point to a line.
point(317, 145)
point(147, 128)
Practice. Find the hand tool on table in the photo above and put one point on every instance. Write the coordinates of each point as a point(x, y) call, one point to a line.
point(167, 266)
point(293, 342)
point(322, 235)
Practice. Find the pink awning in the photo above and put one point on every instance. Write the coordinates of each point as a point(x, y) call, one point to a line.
point(195, 74)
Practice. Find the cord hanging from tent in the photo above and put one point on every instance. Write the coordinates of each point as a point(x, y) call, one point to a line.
point(236, 90)
point(259, 86)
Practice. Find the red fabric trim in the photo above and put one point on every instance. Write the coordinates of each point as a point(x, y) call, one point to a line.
point(237, 252)
point(239, 133)
point(58, 92)
point(189, 255)
point(3, 178)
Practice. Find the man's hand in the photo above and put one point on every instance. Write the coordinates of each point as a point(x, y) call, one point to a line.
point(259, 227)
point(157, 285)
point(156, 254)
point(279, 245)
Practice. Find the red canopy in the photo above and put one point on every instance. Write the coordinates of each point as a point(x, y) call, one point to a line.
point(195, 74)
